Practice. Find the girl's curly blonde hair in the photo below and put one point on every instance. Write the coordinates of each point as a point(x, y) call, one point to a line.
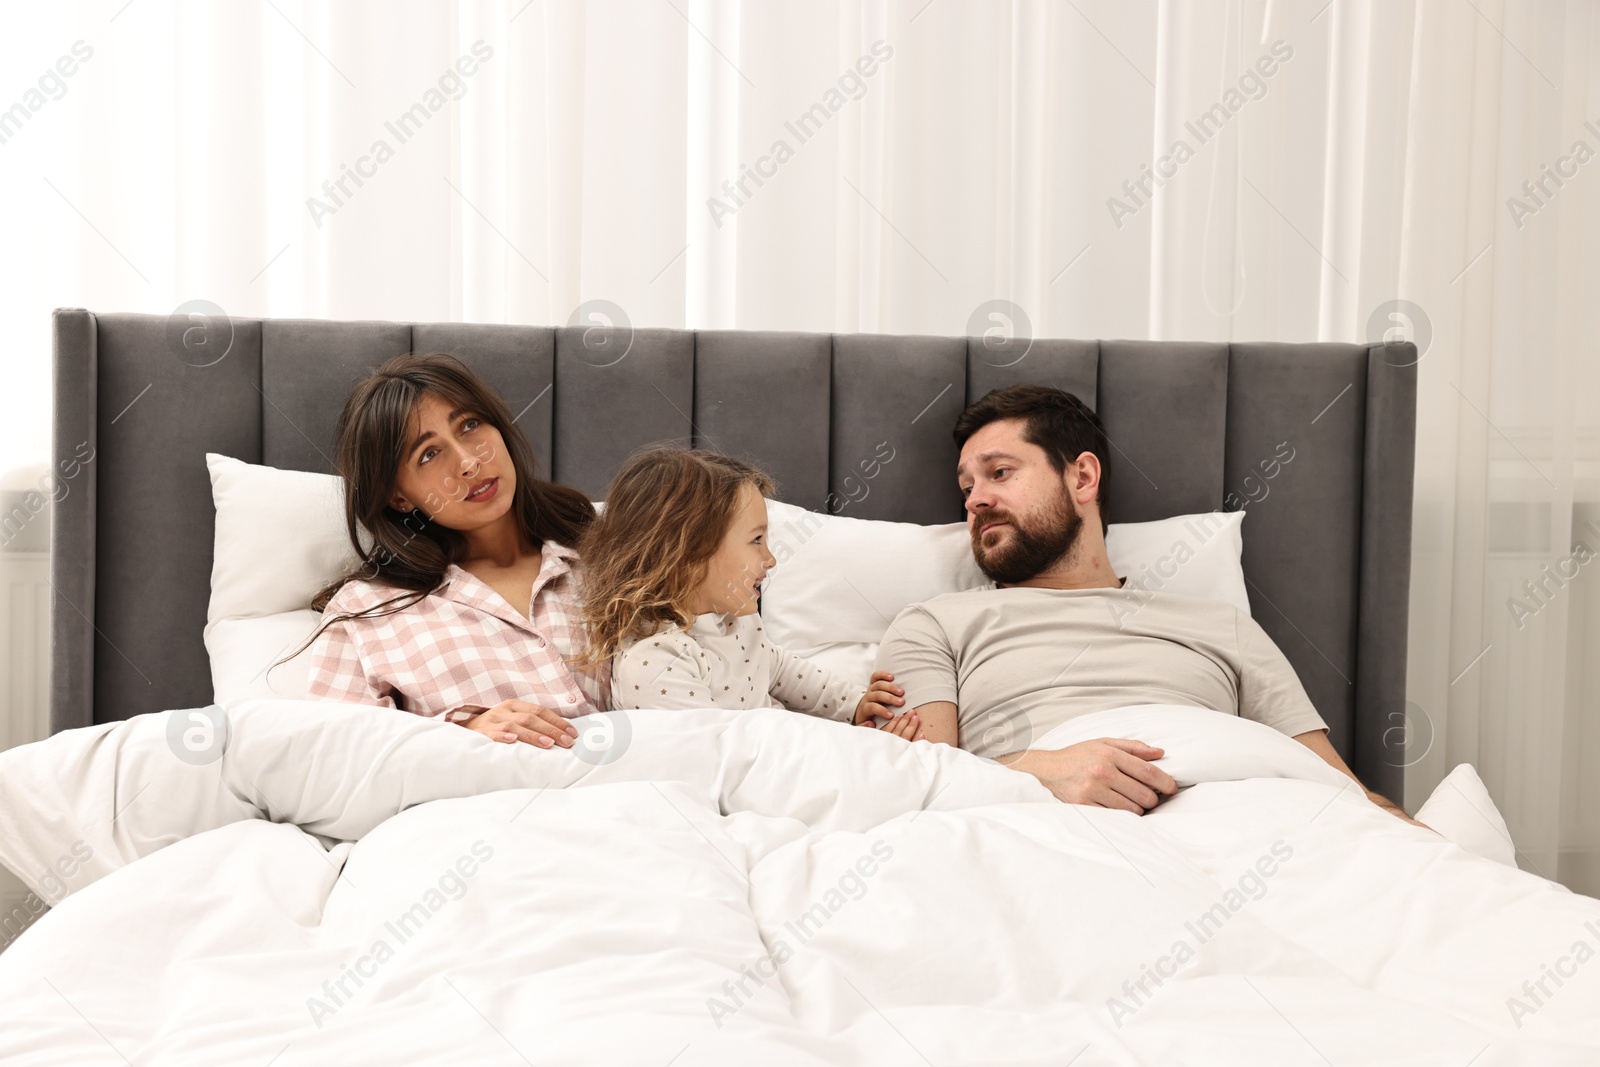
point(649, 550)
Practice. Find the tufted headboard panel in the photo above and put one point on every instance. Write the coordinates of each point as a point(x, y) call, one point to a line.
point(1193, 426)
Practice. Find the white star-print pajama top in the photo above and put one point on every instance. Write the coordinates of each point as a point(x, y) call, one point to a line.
point(726, 662)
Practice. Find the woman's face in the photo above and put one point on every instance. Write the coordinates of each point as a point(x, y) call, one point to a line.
point(455, 467)
point(733, 580)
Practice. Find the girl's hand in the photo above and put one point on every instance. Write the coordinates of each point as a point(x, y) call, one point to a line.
point(880, 700)
point(907, 727)
point(511, 721)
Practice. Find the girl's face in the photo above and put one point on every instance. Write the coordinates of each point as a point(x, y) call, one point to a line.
point(733, 579)
point(454, 467)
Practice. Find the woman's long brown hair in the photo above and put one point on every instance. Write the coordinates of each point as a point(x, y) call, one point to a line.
point(665, 516)
point(404, 549)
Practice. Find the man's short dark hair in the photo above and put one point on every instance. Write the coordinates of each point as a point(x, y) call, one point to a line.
point(1053, 419)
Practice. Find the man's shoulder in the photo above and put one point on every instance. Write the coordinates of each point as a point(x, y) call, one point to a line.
point(1202, 610)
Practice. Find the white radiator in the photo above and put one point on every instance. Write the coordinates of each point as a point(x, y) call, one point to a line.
point(24, 692)
point(24, 647)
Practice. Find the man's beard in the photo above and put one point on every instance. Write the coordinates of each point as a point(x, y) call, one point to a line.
point(1033, 548)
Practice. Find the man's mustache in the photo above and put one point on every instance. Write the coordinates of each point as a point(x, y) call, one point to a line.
point(989, 517)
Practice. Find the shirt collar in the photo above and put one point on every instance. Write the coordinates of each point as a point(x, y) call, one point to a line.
point(558, 560)
point(464, 586)
point(713, 624)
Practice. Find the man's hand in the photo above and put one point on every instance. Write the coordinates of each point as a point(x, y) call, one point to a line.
point(1394, 809)
point(511, 721)
point(1112, 772)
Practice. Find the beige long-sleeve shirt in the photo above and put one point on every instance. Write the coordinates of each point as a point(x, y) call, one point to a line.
point(726, 662)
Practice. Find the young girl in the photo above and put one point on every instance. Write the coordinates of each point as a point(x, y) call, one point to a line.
point(673, 569)
point(465, 604)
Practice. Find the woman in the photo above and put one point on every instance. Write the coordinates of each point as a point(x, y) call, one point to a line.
point(466, 602)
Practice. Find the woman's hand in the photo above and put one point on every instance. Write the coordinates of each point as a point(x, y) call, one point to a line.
point(880, 700)
point(511, 721)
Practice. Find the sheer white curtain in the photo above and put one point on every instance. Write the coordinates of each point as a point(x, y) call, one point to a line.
point(891, 166)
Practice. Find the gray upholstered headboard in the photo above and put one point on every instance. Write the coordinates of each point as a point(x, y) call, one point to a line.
point(1194, 427)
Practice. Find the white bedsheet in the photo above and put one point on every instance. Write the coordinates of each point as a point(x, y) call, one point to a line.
point(766, 888)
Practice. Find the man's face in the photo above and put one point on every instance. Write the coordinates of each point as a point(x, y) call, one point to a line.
point(1019, 514)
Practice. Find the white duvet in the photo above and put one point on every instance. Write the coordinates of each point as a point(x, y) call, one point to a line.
point(354, 885)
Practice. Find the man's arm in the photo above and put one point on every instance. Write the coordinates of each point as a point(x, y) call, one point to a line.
point(1317, 741)
point(1270, 692)
point(939, 723)
point(1108, 773)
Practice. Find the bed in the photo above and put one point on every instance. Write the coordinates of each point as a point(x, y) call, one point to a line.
point(333, 883)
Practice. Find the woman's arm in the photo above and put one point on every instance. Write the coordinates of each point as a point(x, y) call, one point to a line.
point(338, 673)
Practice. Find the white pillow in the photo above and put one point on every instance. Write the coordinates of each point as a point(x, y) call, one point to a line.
point(243, 652)
point(1187, 555)
point(840, 581)
point(1462, 810)
point(280, 539)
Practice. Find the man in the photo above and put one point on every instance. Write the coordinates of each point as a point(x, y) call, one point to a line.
point(1058, 635)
